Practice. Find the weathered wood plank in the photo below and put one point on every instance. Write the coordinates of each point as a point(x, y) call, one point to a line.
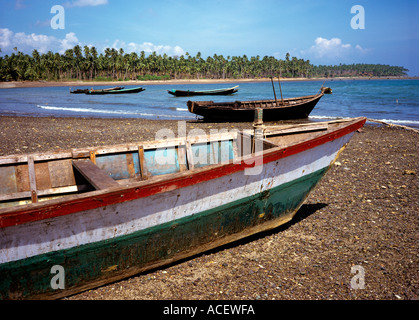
point(296, 129)
point(52, 191)
point(8, 179)
point(94, 175)
point(32, 179)
point(61, 173)
point(43, 180)
point(22, 178)
point(181, 151)
point(130, 165)
point(143, 169)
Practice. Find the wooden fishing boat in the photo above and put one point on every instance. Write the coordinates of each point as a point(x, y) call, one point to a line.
point(215, 92)
point(79, 91)
point(243, 111)
point(119, 91)
point(77, 219)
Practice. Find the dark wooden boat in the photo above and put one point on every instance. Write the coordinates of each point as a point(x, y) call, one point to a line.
point(244, 111)
point(79, 91)
point(119, 91)
point(215, 92)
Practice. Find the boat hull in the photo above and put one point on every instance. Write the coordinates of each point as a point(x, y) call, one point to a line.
point(121, 91)
point(188, 93)
point(229, 112)
point(116, 233)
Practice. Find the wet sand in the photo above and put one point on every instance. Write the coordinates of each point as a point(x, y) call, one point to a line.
point(364, 213)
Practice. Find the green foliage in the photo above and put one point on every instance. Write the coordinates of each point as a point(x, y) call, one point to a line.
point(86, 64)
point(359, 70)
point(148, 77)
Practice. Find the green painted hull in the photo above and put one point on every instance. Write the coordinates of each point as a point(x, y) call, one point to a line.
point(95, 264)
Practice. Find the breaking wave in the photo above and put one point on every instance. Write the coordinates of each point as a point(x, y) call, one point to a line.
point(114, 112)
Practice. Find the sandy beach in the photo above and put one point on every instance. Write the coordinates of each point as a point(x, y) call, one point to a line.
point(74, 84)
point(364, 213)
point(38, 84)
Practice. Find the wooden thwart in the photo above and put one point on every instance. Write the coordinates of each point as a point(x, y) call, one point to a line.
point(94, 175)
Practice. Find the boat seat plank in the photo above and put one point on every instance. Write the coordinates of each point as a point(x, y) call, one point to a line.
point(94, 175)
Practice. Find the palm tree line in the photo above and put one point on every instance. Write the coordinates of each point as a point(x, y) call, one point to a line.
point(88, 64)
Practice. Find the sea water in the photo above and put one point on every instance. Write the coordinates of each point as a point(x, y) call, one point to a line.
point(393, 101)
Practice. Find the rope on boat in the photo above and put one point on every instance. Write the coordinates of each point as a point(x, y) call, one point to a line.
point(393, 125)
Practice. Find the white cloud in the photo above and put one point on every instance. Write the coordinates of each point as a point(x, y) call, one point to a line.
point(333, 47)
point(69, 42)
point(148, 48)
point(28, 42)
point(333, 50)
point(5, 38)
point(86, 3)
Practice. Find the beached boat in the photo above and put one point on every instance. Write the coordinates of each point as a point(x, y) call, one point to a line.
point(119, 91)
point(74, 220)
point(79, 91)
point(215, 92)
point(243, 111)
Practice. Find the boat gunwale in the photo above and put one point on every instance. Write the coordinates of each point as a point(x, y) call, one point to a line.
point(159, 184)
point(252, 104)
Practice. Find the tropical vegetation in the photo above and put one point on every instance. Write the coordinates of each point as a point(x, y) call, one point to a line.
point(88, 64)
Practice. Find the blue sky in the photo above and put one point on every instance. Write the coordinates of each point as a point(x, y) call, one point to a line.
point(316, 30)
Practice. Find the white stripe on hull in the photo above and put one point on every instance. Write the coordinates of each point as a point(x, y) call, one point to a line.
point(68, 231)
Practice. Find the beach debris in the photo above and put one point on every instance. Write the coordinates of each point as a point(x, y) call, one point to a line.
point(409, 172)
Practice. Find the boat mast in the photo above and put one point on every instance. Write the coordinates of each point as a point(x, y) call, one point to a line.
point(273, 87)
point(280, 89)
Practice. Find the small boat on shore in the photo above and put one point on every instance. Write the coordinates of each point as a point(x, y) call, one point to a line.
point(79, 91)
point(214, 92)
point(116, 91)
point(243, 111)
point(74, 220)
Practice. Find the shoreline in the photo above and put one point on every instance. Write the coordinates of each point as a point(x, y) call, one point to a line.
point(44, 83)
